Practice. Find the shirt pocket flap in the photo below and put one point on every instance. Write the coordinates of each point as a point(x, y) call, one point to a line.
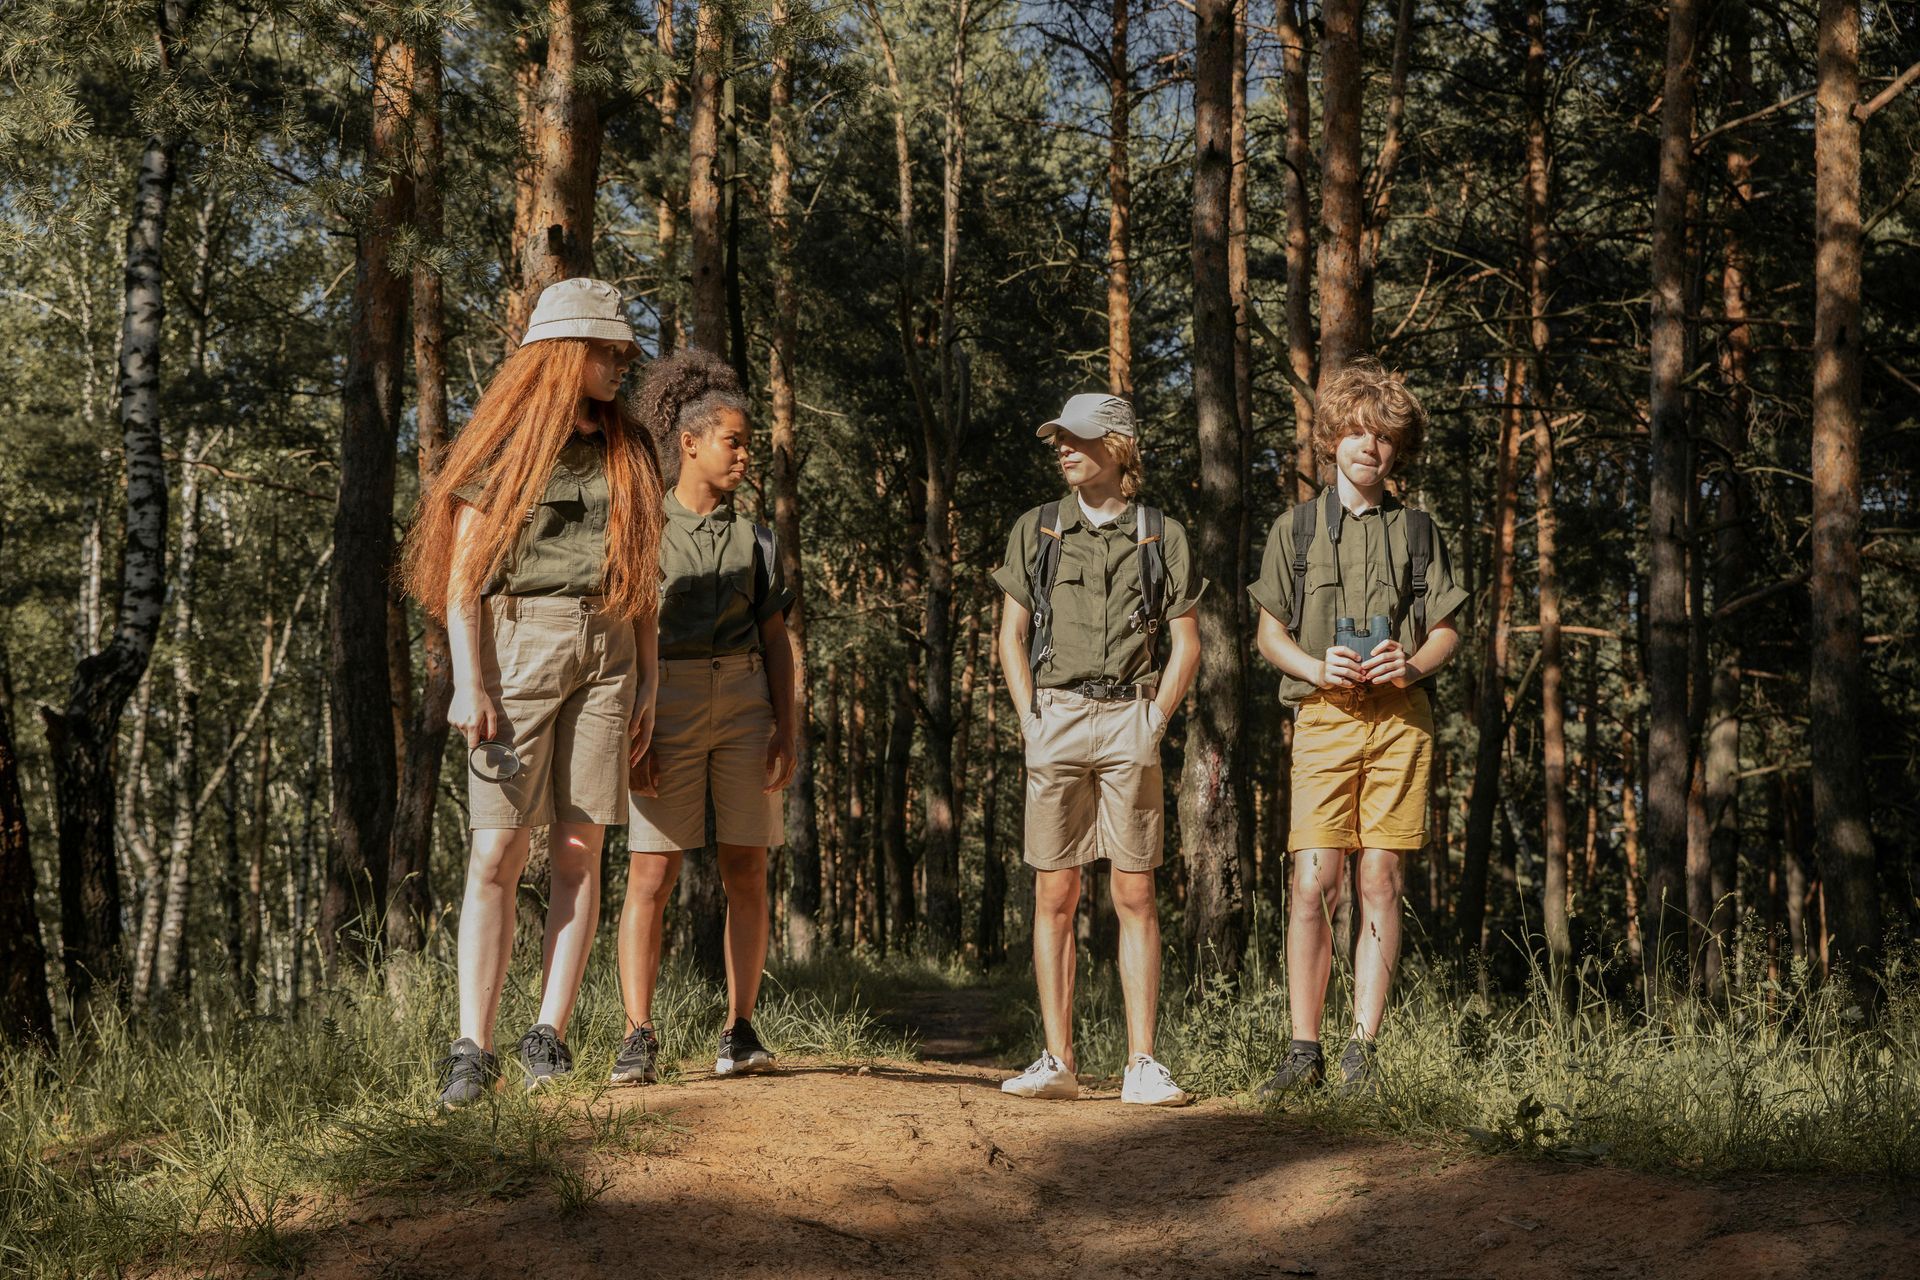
point(565, 493)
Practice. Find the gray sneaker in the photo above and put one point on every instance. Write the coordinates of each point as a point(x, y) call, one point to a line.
point(469, 1072)
point(1359, 1076)
point(1303, 1068)
point(544, 1057)
point(638, 1058)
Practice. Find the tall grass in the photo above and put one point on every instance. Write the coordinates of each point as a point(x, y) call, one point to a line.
point(1788, 1077)
point(207, 1133)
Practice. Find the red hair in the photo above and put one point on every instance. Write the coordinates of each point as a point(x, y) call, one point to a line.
point(524, 418)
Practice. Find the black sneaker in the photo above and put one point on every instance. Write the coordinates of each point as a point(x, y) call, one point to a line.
point(469, 1072)
point(639, 1052)
point(741, 1052)
point(1303, 1068)
point(544, 1057)
point(1359, 1076)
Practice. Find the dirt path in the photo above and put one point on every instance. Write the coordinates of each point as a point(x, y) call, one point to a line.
point(928, 1170)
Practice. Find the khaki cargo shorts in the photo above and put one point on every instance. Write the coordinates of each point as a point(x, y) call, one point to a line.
point(565, 673)
point(1094, 787)
point(712, 721)
point(1360, 770)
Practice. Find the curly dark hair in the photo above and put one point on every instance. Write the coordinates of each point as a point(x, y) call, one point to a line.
point(685, 392)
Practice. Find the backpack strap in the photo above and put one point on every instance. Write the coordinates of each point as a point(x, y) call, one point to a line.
point(764, 551)
point(1040, 576)
point(1420, 552)
point(1150, 541)
point(1302, 543)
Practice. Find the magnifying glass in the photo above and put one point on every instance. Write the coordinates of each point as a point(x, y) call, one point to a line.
point(493, 761)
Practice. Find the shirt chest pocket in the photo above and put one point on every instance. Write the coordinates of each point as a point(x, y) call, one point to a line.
point(561, 507)
point(1321, 608)
point(1078, 609)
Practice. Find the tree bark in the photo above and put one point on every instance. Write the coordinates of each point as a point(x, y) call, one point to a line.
point(1299, 242)
point(1836, 690)
point(1491, 711)
point(667, 200)
point(709, 294)
point(80, 735)
point(898, 857)
point(26, 1009)
point(410, 861)
point(1213, 792)
point(1120, 206)
point(1346, 323)
point(1553, 735)
point(352, 907)
point(804, 923)
point(1379, 196)
point(566, 137)
point(1668, 757)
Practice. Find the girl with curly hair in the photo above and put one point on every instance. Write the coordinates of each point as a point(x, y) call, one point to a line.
point(538, 543)
point(724, 713)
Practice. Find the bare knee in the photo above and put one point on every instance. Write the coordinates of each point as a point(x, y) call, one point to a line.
point(1133, 894)
point(743, 872)
point(496, 862)
point(1316, 882)
point(1056, 894)
point(1379, 885)
point(651, 878)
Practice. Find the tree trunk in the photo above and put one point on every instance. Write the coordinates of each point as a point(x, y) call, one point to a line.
point(667, 201)
point(566, 137)
point(990, 937)
point(1120, 209)
point(1299, 243)
point(353, 905)
point(893, 820)
point(1346, 323)
point(1491, 710)
point(1667, 648)
point(26, 1010)
point(1836, 690)
point(1379, 196)
point(1213, 793)
point(803, 823)
point(80, 736)
point(410, 862)
point(170, 953)
point(709, 300)
point(1553, 735)
point(857, 844)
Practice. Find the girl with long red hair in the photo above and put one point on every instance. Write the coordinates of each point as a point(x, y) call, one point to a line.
point(538, 543)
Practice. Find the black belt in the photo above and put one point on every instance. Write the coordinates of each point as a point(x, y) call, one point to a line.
point(1101, 691)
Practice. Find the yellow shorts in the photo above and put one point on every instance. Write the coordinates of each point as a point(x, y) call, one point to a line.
point(1094, 784)
point(712, 721)
point(565, 673)
point(1360, 770)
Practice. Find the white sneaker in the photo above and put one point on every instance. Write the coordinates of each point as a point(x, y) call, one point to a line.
point(1046, 1078)
point(1151, 1085)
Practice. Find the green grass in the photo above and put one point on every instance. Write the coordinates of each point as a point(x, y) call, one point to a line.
point(205, 1136)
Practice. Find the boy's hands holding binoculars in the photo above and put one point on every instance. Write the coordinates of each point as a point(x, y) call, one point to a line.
point(1343, 668)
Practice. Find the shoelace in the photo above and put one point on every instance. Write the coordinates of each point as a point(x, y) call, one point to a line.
point(1045, 1064)
point(1158, 1069)
point(541, 1048)
point(462, 1066)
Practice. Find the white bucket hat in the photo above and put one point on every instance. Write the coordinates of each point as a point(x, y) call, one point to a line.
point(578, 308)
point(1092, 415)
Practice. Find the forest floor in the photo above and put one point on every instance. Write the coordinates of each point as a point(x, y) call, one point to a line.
point(925, 1169)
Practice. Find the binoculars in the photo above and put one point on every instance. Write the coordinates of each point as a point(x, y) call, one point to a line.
point(1379, 631)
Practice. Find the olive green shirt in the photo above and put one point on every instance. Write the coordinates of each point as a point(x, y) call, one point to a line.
point(1096, 592)
point(1374, 574)
point(563, 549)
point(707, 608)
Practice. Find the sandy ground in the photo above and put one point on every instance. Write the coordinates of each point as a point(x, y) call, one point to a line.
point(927, 1170)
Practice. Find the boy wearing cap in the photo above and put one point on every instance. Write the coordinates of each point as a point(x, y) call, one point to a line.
point(1099, 646)
point(1363, 727)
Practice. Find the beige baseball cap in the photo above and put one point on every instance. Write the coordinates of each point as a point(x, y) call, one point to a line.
point(578, 308)
point(1092, 415)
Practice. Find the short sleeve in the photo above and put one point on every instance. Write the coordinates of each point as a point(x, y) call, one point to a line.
point(470, 492)
point(780, 594)
point(1011, 576)
point(1273, 590)
point(1184, 586)
point(1445, 595)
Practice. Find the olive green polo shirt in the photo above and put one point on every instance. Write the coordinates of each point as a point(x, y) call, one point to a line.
point(563, 549)
point(1374, 574)
point(706, 584)
point(1096, 592)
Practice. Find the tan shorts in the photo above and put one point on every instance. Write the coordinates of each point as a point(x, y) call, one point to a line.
point(1094, 786)
point(1360, 768)
point(711, 725)
point(565, 673)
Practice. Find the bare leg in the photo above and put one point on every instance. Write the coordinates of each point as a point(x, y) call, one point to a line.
point(1316, 884)
point(1380, 876)
point(650, 881)
point(1056, 896)
point(743, 874)
point(1139, 915)
point(573, 914)
point(486, 927)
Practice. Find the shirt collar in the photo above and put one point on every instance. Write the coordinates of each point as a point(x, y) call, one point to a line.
point(1386, 504)
point(681, 512)
point(1070, 515)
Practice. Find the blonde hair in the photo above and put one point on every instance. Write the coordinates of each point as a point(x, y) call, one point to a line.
point(1125, 451)
point(1364, 394)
